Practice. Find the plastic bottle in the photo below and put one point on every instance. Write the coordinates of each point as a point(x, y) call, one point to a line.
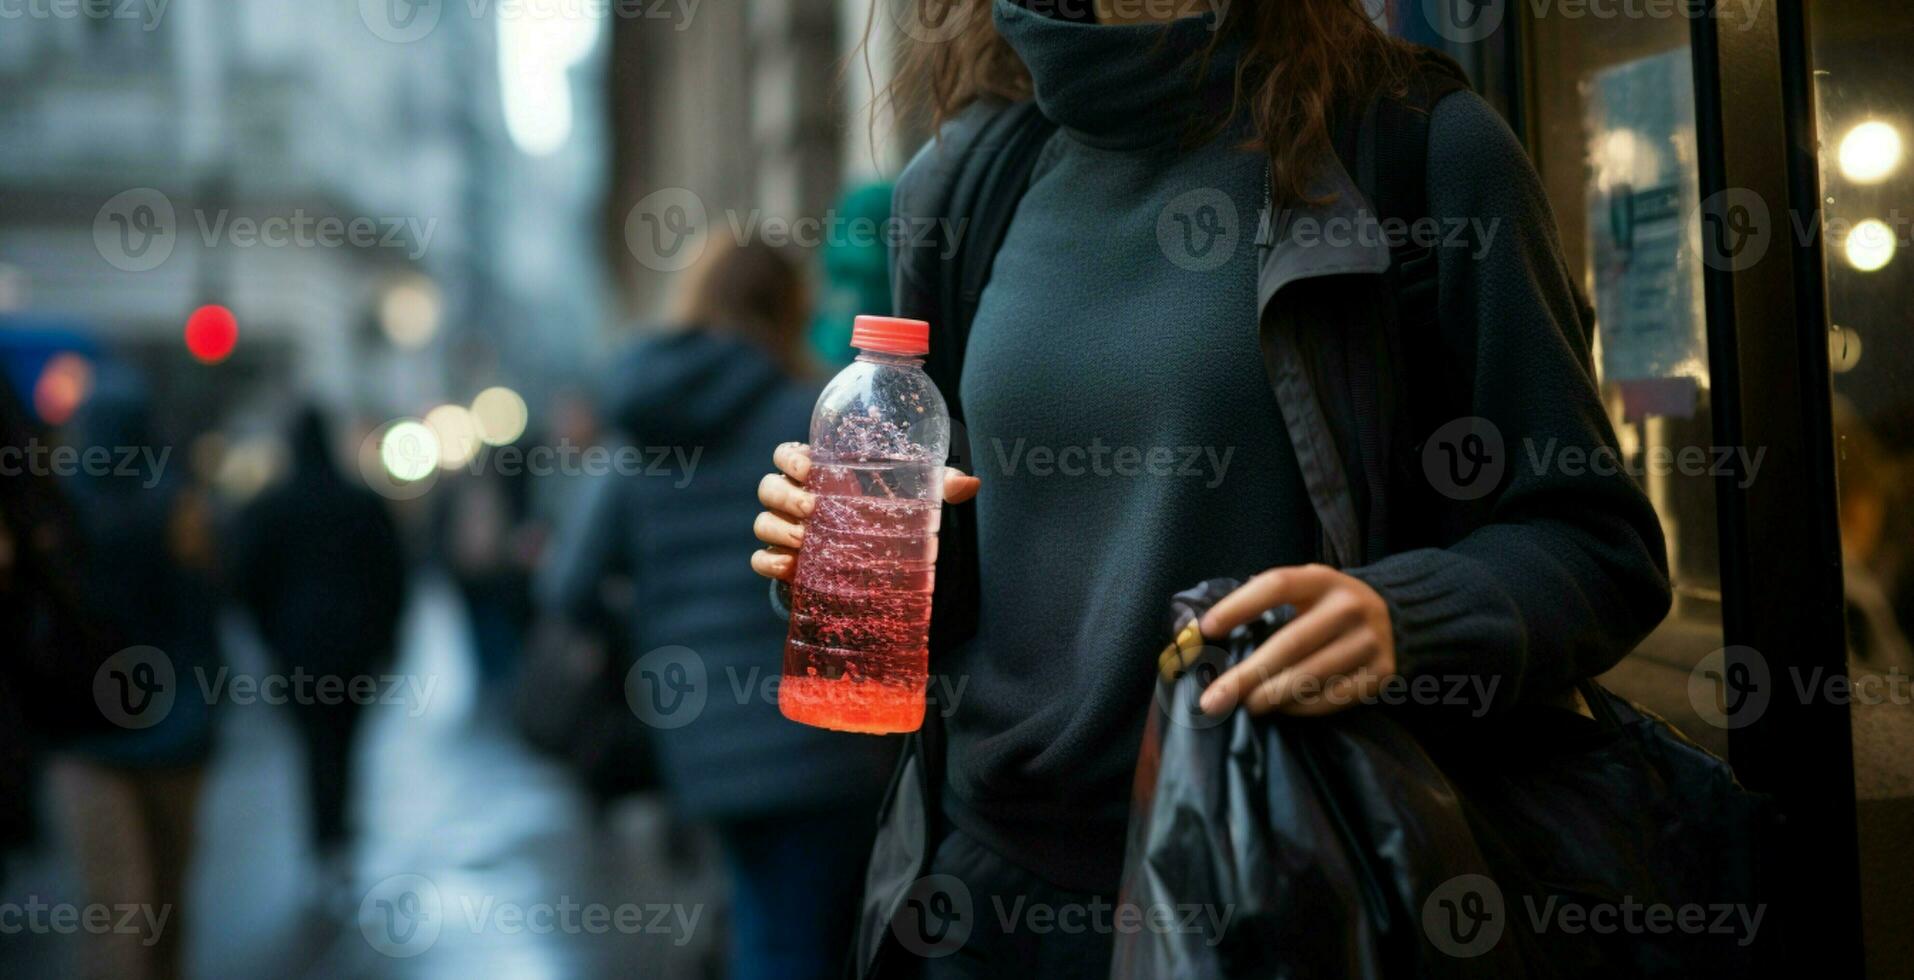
point(856, 656)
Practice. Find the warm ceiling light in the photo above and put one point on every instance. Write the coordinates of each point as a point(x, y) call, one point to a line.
point(1870, 245)
point(1870, 152)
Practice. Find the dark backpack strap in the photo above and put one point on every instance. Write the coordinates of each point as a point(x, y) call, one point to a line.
point(1394, 160)
point(1385, 150)
point(986, 187)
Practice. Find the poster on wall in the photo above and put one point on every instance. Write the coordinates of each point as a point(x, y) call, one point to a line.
point(1647, 271)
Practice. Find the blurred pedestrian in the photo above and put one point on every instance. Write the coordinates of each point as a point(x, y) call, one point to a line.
point(129, 798)
point(317, 561)
point(793, 806)
point(489, 545)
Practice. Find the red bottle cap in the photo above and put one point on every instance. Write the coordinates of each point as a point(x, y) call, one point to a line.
point(891, 335)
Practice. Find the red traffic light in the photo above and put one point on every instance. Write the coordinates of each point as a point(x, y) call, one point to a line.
point(211, 333)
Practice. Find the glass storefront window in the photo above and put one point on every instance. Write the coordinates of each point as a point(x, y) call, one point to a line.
point(1865, 116)
point(1612, 126)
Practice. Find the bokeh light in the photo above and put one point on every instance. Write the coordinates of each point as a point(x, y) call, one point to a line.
point(409, 312)
point(211, 333)
point(409, 450)
point(457, 433)
point(1870, 245)
point(535, 57)
point(500, 415)
point(1870, 152)
point(62, 387)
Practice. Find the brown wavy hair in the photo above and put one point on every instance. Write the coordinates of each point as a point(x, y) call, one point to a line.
point(1302, 61)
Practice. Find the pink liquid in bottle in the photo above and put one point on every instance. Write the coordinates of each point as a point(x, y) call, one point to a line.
point(856, 656)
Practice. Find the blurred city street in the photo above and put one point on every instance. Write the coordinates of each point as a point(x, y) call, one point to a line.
point(459, 801)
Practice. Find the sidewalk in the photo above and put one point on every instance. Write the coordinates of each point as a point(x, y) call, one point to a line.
point(457, 819)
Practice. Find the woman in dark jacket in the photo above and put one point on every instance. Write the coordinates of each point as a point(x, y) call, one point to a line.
point(794, 807)
point(1187, 230)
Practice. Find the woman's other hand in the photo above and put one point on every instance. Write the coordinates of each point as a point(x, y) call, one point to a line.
point(1335, 653)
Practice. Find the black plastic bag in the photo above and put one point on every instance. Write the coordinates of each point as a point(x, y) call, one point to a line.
point(1391, 842)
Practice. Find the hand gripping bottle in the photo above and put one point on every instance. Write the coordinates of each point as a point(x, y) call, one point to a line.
point(856, 657)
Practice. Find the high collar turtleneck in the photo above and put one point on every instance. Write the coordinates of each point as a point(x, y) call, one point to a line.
point(1119, 86)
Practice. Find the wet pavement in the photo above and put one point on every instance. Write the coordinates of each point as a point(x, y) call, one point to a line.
point(477, 857)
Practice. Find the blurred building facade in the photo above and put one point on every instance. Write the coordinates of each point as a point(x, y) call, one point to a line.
point(299, 164)
point(759, 108)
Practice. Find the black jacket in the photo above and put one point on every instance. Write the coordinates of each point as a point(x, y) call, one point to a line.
point(318, 562)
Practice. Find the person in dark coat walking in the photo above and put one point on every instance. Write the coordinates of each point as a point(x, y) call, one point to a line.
point(319, 565)
point(794, 806)
point(127, 797)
